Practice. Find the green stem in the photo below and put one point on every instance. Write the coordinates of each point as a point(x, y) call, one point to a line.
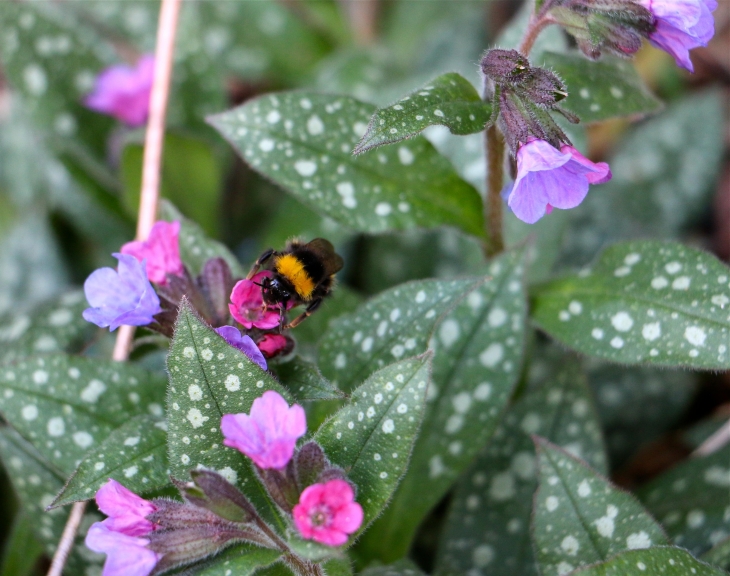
point(493, 222)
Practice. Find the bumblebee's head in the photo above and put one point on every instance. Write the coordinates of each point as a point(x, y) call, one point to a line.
point(275, 292)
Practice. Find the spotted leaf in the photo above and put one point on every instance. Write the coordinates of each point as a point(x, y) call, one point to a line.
point(664, 560)
point(488, 523)
point(719, 554)
point(449, 100)
point(242, 560)
point(602, 90)
point(35, 484)
point(302, 141)
point(210, 378)
point(478, 349)
point(643, 302)
point(692, 501)
point(400, 568)
point(67, 405)
point(306, 382)
point(394, 323)
point(56, 326)
point(590, 520)
point(135, 455)
point(371, 437)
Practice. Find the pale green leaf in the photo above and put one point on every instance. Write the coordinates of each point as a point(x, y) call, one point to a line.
point(400, 568)
point(306, 382)
point(371, 437)
point(589, 519)
point(488, 526)
point(449, 100)
point(135, 455)
point(21, 550)
point(302, 141)
point(67, 405)
point(643, 302)
point(242, 560)
point(664, 560)
point(393, 323)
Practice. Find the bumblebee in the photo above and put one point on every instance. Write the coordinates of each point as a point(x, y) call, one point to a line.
point(302, 274)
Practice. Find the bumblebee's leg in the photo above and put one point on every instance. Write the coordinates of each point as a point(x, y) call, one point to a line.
point(261, 260)
point(304, 315)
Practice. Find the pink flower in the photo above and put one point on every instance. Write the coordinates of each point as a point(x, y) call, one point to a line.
point(328, 513)
point(247, 304)
point(547, 177)
point(127, 512)
point(161, 250)
point(269, 434)
point(126, 555)
point(274, 344)
point(680, 26)
point(124, 92)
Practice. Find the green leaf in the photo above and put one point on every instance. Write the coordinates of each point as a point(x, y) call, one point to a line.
point(55, 326)
point(242, 561)
point(371, 438)
point(692, 501)
point(36, 484)
point(602, 90)
point(400, 568)
point(580, 518)
point(449, 100)
point(338, 567)
point(302, 141)
point(135, 454)
point(643, 302)
point(21, 550)
point(306, 382)
point(196, 248)
point(478, 352)
point(396, 322)
point(210, 378)
point(487, 527)
point(67, 405)
point(342, 301)
point(664, 560)
point(719, 555)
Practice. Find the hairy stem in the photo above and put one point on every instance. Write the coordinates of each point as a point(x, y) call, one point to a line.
point(718, 440)
point(494, 145)
point(533, 30)
point(149, 198)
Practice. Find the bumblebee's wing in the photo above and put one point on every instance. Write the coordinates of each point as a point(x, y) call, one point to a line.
point(332, 261)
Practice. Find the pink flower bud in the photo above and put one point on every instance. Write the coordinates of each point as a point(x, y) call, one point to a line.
point(124, 92)
point(161, 251)
point(328, 513)
point(247, 304)
point(269, 434)
point(275, 344)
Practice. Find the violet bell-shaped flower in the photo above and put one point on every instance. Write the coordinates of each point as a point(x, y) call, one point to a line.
point(244, 343)
point(123, 296)
point(124, 91)
point(328, 513)
point(161, 251)
point(547, 178)
point(269, 434)
point(680, 26)
point(121, 535)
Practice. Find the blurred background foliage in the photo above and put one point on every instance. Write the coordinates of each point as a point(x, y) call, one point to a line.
point(69, 178)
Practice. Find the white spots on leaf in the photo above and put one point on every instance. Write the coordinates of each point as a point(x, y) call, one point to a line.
point(306, 168)
point(651, 331)
point(496, 317)
point(402, 409)
point(189, 352)
point(405, 156)
point(99, 466)
point(720, 300)
point(436, 467)
point(454, 423)
point(315, 126)
point(617, 342)
point(492, 355)
point(378, 398)
point(523, 464)
point(585, 93)
point(340, 360)
point(388, 426)
point(695, 335)
point(438, 113)
point(461, 402)
point(565, 568)
point(575, 307)
point(502, 486)
point(483, 391)
point(552, 503)
point(695, 518)
point(449, 332)
point(266, 145)
point(570, 545)
point(35, 79)
point(622, 271)
point(659, 282)
point(531, 423)
point(229, 474)
point(597, 333)
point(383, 475)
point(605, 524)
point(232, 383)
point(29, 412)
point(273, 117)
point(367, 344)
point(359, 128)
point(717, 476)
point(131, 441)
point(617, 93)
point(673, 267)
point(394, 314)
point(195, 392)
point(60, 317)
point(382, 328)
point(347, 191)
point(40, 377)
point(306, 103)
point(196, 418)
point(398, 350)
point(404, 207)
point(622, 322)
point(420, 297)
point(382, 209)
point(584, 489)
point(56, 426)
point(632, 259)
point(185, 459)
point(482, 555)
point(638, 540)
point(83, 439)
point(681, 283)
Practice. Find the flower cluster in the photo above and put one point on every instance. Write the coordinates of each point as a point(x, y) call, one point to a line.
point(151, 280)
point(140, 536)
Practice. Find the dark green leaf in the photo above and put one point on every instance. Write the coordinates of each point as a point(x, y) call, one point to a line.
point(67, 405)
point(371, 437)
point(488, 524)
point(692, 501)
point(580, 518)
point(664, 560)
point(342, 301)
point(135, 454)
point(449, 100)
point(602, 90)
point(302, 141)
point(400, 568)
point(390, 325)
point(478, 352)
point(21, 550)
point(306, 382)
point(719, 555)
point(241, 561)
point(643, 302)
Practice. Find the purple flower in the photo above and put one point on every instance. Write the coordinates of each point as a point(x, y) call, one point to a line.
point(124, 92)
point(245, 344)
point(269, 434)
point(121, 297)
point(126, 555)
point(547, 178)
point(680, 26)
point(127, 513)
point(161, 250)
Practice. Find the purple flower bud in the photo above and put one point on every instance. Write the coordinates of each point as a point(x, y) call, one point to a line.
point(680, 26)
point(121, 297)
point(124, 92)
point(547, 177)
point(126, 555)
point(245, 344)
point(269, 434)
